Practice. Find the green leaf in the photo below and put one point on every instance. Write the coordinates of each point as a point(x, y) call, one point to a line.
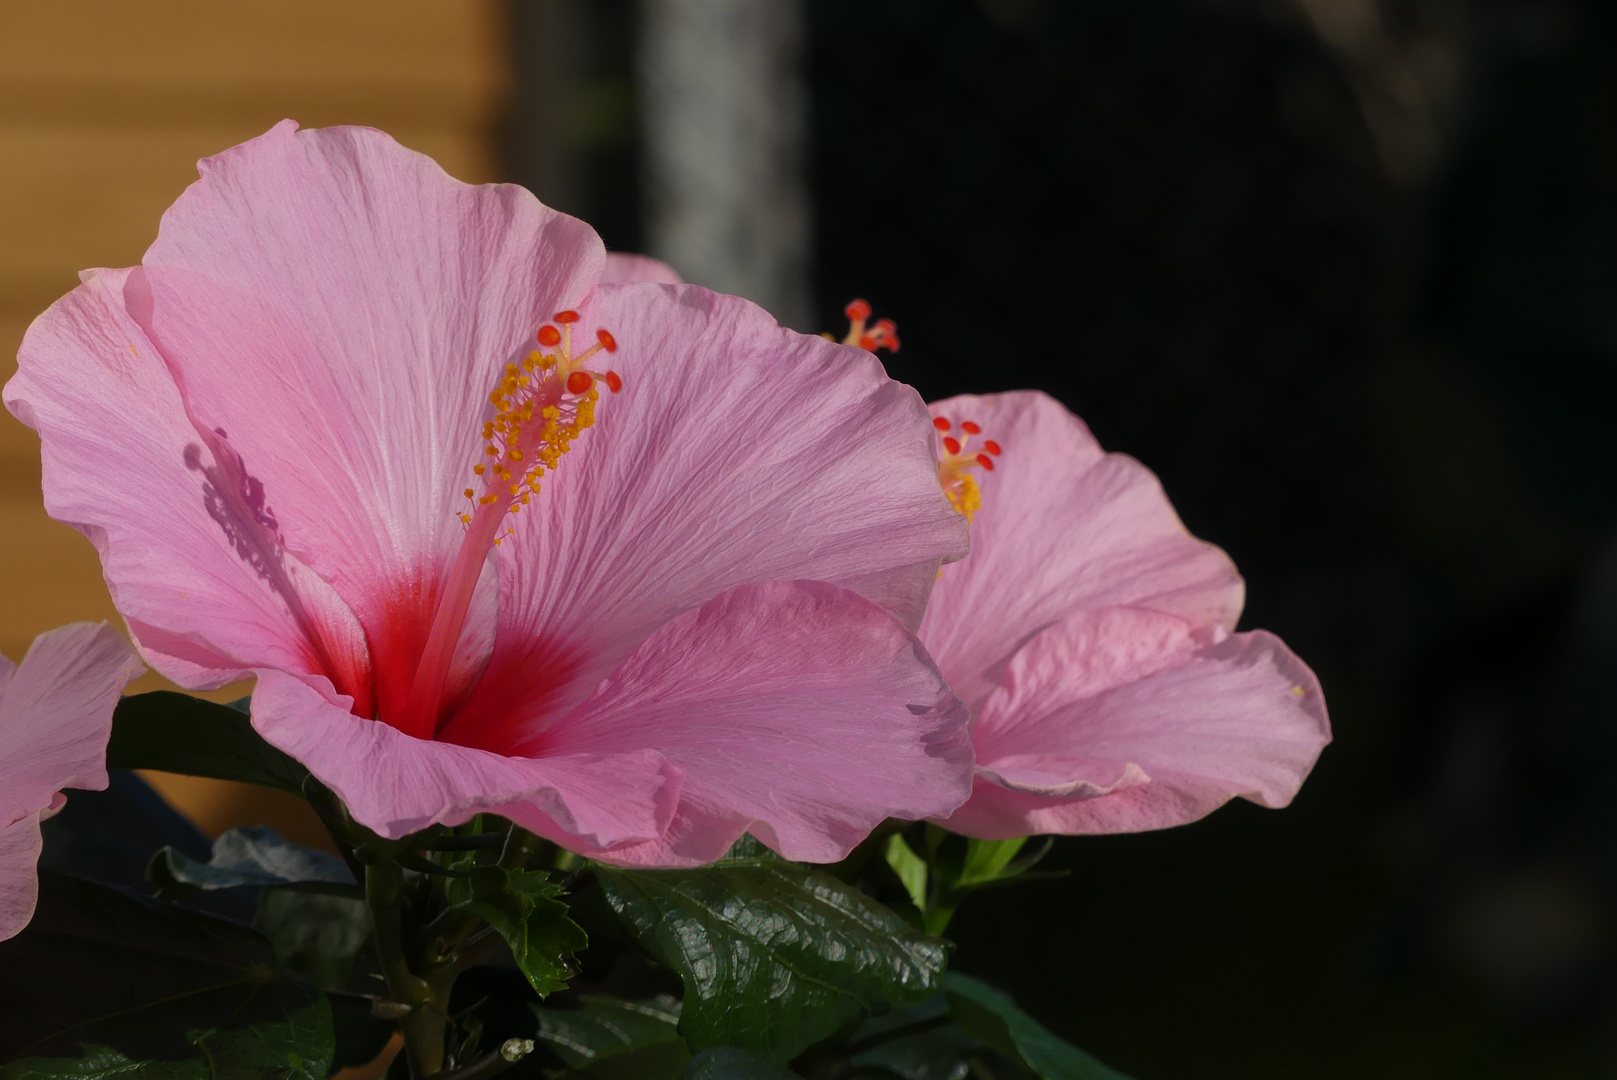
point(914, 1043)
point(774, 956)
point(253, 856)
point(939, 1054)
point(733, 1063)
point(105, 983)
point(522, 906)
point(611, 1039)
point(910, 868)
point(178, 733)
point(992, 1017)
point(314, 936)
point(986, 859)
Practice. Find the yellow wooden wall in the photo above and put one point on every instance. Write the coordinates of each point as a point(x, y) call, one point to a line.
point(105, 107)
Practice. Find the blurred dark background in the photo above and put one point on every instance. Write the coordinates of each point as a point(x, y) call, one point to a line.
point(1344, 273)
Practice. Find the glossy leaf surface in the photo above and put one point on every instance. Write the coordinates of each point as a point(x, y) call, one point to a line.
point(774, 956)
point(611, 1039)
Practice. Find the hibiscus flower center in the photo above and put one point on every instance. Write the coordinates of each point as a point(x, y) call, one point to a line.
point(957, 462)
point(541, 405)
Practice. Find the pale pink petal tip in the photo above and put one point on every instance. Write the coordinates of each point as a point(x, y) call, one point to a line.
point(626, 269)
point(55, 719)
point(1122, 721)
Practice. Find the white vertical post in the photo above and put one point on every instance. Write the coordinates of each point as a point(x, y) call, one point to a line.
point(722, 113)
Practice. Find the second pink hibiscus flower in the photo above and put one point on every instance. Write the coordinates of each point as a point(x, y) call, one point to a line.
point(1091, 635)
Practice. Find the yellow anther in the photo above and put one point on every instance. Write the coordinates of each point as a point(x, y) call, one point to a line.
point(523, 385)
point(965, 496)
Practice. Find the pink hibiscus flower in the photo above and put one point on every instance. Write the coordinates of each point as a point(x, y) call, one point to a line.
point(1091, 636)
point(55, 720)
point(343, 430)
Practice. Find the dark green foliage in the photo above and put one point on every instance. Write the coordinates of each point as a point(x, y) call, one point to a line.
point(774, 957)
point(105, 983)
point(314, 936)
point(522, 906)
point(732, 1063)
point(252, 856)
point(609, 1039)
point(991, 1017)
point(178, 733)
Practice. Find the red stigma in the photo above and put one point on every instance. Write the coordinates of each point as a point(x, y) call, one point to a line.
point(951, 444)
point(566, 316)
point(992, 447)
point(970, 428)
point(608, 342)
point(986, 462)
point(856, 310)
point(549, 335)
point(579, 381)
point(867, 343)
point(614, 381)
point(940, 423)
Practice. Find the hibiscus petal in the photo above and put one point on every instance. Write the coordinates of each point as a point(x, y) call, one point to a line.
point(56, 714)
point(395, 784)
point(1119, 721)
point(205, 587)
point(1064, 527)
point(737, 452)
point(796, 710)
point(20, 844)
point(55, 720)
point(626, 269)
point(341, 309)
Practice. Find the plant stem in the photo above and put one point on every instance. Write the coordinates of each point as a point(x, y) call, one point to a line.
point(513, 1051)
point(938, 913)
point(423, 1027)
point(520, 844)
